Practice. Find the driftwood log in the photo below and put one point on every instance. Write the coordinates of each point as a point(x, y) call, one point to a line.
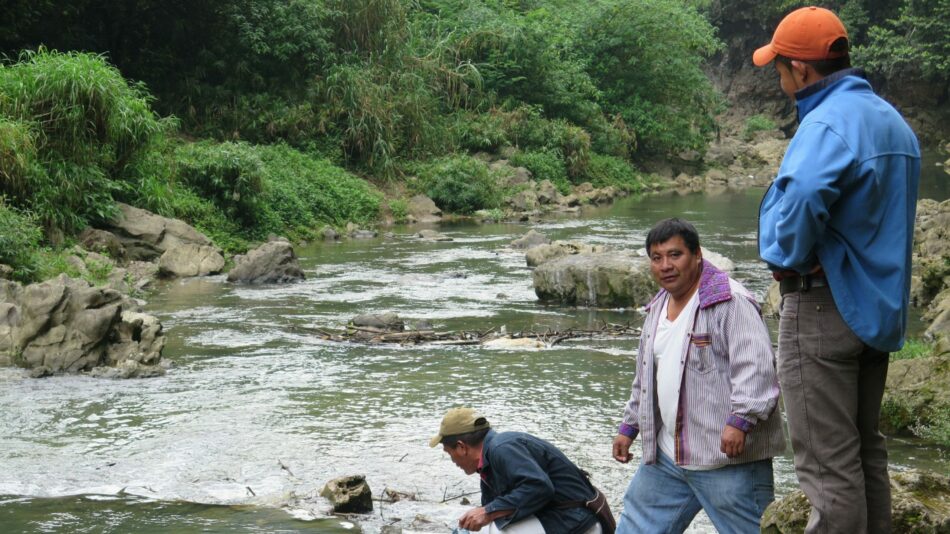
point(370, 335)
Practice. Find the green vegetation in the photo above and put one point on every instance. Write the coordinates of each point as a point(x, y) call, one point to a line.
point(757, 123)
point(459, 184)
point(19, 238)
point(912, 349)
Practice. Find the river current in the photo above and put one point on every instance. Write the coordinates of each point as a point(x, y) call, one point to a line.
point(258, 412)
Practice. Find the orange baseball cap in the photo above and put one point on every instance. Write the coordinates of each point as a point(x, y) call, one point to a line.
point(805, 34)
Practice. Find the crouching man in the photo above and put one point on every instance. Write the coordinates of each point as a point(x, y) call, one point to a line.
point(703, 399)
point(528, 485)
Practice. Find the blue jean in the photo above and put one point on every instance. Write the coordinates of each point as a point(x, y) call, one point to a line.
point(664, 498)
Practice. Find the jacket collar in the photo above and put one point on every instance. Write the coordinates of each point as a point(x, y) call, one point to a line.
point(808, 98)
point(486, 444)
point(713, 288)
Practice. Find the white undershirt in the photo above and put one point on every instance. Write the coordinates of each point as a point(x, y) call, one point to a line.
point(668, 349)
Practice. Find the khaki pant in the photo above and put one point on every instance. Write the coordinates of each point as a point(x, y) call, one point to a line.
point(832, 384)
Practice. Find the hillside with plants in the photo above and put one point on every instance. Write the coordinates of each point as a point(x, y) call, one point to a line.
point(249, 118)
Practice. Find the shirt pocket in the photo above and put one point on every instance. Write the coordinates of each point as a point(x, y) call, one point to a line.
point(700, 358)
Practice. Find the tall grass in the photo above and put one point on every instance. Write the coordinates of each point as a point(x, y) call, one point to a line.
point(74, 124)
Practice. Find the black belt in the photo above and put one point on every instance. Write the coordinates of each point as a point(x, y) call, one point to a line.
point(794, 284)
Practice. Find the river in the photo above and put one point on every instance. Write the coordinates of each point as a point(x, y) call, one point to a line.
point(257, 412)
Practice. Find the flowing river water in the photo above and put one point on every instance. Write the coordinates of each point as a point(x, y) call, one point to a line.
point(258, 412)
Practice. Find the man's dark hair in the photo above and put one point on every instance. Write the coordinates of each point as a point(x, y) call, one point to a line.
point(825, 66)
point(667, 229)
point(470, 438)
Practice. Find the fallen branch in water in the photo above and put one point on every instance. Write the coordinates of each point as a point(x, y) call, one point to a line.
point(549, 338)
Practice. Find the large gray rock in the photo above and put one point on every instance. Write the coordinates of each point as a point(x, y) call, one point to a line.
point(920, 504)
point(422, 209)
point(526, 200)
point(606, 280)
point(190, 259)
point(65, 325)
point(145, 235)
point(917, 394)
point(102, 242)
point(273, 262)
point(547, 193)
point(349, 495)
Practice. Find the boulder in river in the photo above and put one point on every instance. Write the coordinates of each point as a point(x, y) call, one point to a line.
point(349, 495)
point(541, 253)
point(273, 262)
point(388, 321)
point(606, 280)
point(65, 325)
point(531, 239)
point(920, 503)
point(422, 209)
point(190, 259)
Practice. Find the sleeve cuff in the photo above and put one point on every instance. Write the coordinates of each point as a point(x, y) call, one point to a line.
point(628, 430)
point(740, 423)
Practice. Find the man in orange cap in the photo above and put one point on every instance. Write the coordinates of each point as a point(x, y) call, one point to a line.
point(836, 228)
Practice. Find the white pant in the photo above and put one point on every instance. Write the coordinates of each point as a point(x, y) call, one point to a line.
point(531, 525)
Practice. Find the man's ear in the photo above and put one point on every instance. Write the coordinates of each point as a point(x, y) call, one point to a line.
point(800, 71)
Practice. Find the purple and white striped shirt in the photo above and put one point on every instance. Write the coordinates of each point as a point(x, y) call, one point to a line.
point(727, 377)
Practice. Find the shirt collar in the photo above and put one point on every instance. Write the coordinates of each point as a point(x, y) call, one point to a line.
point(808, 98)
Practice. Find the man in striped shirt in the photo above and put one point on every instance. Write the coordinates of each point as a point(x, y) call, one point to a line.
point(703, 400)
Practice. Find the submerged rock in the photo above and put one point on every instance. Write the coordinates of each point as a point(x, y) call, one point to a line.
point(385, 321)
point(273, 262)
point(422, 209)
point(349, 495)
point(531, 239)
point(548, 251)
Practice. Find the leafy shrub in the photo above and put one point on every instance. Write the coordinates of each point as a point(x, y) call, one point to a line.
point(544, 165)
point(229, 174)
point(399, 208)
point(757, 123)
point(300, 187)
point(481, 131)
point(459, 184)
point(19, 238)
point(611, 171)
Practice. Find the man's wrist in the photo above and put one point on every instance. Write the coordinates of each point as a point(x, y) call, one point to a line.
point(740, 424)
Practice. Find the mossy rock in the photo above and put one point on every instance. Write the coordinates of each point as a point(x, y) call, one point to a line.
point(920, 504)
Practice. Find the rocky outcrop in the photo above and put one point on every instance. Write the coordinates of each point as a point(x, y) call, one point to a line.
point(349, 495)
point(920, 504)
point(145, 235)
point(917, 395)
point(388, 321)
point(273, 262)
point(66, 325)
point(605, 280)
point(930, 285)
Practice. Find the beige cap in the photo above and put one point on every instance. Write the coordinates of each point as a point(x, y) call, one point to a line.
point(459, 421)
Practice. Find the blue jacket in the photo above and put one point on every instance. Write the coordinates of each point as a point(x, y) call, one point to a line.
point(530, 476)
point(845, 197)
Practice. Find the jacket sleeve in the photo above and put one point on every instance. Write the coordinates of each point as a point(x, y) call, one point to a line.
point(630, 426)
point(795, 216)
point(531, 488)
point(752, 373)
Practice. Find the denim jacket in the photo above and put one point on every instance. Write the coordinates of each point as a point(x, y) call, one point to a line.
point(727, 374)
point(526, 474)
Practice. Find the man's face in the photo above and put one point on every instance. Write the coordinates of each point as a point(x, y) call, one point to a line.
point(462, 456)
point(674, 267)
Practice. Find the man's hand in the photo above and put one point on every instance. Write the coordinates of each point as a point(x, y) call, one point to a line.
point(474, 519)
point(733, 441)
point(622, 448)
